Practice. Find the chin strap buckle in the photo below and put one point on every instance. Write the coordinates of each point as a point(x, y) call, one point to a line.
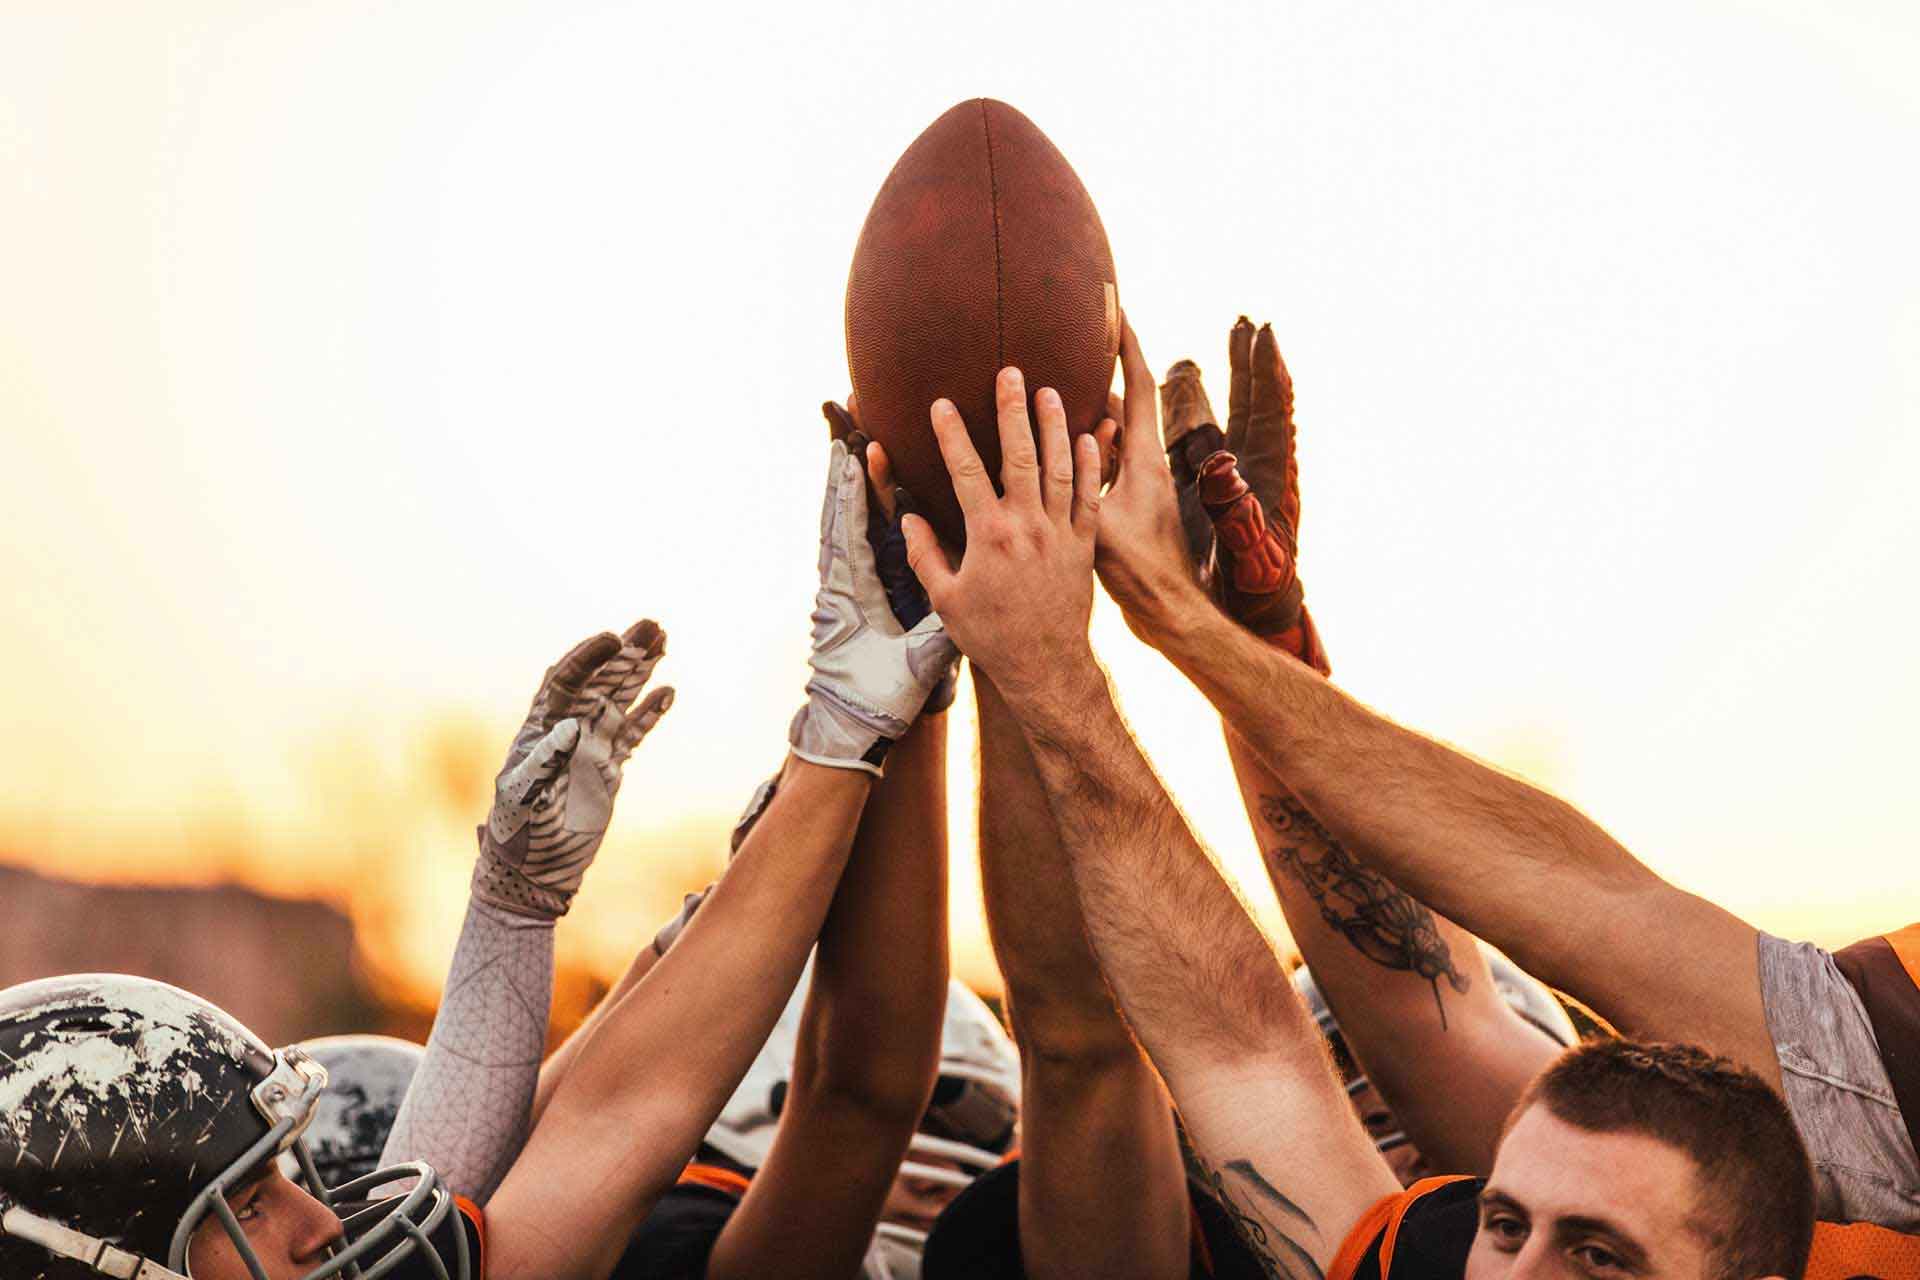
point(64, 1242)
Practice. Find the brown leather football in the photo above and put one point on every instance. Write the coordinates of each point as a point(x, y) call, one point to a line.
point(982, 250)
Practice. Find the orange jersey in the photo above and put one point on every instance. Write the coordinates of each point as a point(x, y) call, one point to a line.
point(1861, 1251)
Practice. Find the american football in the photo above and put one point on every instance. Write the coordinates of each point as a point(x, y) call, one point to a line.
point(982, 250)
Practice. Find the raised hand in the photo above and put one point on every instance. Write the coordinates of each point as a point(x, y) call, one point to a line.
point(1019, 603)
point(554, 796)
point(1244, 489)
point(905, 596)
point(1145, 554)
point(871, 675)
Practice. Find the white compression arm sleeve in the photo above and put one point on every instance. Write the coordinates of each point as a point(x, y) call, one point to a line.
point(467, 1111)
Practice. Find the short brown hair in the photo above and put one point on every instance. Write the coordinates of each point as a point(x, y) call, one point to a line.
point(1756, 1184)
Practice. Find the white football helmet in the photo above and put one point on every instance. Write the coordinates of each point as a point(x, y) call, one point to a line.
point(968, 1128)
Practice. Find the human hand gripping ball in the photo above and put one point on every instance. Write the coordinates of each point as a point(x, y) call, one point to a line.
point(871, 675)
point(553, 798)
point(1239, 492)
point(1019, 603)
point(905, 596)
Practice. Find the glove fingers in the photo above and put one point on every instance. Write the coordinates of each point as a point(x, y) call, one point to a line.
point(855, 551)
point(640, 721)
point(830, 505)
point(620, 679)
point(1255, 550)
point(1239, 385)
point(565, 678)
point(1184, 405)
point(647, 636)
point(1269, 441)
point(839, 421)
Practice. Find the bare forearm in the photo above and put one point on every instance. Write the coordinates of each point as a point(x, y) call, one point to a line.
point(555, 1068)
point(665, 1059)
point(871, 1029)
point(1093, 1113)
point(1059, 1001)
point(869, 1037)
point(1202, 988)
point(1415, 1000)
point(1511, 863)
point(1194, 975)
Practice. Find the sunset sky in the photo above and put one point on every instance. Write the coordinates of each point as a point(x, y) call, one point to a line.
point(357, 359)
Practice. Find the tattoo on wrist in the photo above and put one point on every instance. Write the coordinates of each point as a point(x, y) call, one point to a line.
point(1382, 921)
point(1267, 1232)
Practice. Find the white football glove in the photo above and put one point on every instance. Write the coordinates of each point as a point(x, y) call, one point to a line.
point(871, 677)
point(554, 797)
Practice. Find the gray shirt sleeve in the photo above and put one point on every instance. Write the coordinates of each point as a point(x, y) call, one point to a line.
point(1836, 1086)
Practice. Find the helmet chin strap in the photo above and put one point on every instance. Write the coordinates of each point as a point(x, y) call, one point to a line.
point(91, 1251)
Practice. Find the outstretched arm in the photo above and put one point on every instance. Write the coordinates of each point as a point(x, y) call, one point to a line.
point(1197, 980)
point(1412, 992)
point(869, 1042)
point(467, 1112)
point(647, 1083)
point(1515, 865)
point(1102, 1189)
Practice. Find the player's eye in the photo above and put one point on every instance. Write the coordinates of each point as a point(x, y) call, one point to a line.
point(1506, 1231)
point(1597, 1260)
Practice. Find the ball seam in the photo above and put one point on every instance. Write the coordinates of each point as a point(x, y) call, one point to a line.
point(999, 275)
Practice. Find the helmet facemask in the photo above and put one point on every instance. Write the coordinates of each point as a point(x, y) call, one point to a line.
point(379, 1236)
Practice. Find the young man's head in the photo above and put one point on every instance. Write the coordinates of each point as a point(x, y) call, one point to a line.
point(144, 1129)
point(1646, 1160)
point(288, 1231)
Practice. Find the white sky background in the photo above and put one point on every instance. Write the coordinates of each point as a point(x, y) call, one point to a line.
point(357, 359)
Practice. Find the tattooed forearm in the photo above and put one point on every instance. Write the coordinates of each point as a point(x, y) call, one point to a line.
point(1381, 920)
point(1278, 1252)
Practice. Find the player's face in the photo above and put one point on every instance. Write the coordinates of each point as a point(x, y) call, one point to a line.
point(288, 1229)
point(1563, 1202)
point(1408, 1165)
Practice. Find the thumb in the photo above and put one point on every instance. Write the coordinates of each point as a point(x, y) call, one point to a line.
point(925, 557)
point(548, 757)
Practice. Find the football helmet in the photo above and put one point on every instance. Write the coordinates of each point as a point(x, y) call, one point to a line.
point(129, 1109)
point(1524, 994)
point(367, 1076)
point(967, 1130)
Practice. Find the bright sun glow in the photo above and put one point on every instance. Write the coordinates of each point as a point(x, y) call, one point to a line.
point(356, 361)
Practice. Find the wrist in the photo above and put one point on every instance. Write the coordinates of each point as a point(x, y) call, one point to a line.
point(1181, 620)
point(1066, 687)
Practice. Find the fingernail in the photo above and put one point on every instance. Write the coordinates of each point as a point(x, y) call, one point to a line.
point(903, 502)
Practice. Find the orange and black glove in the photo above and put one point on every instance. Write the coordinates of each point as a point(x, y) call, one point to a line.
point(1240, 490)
